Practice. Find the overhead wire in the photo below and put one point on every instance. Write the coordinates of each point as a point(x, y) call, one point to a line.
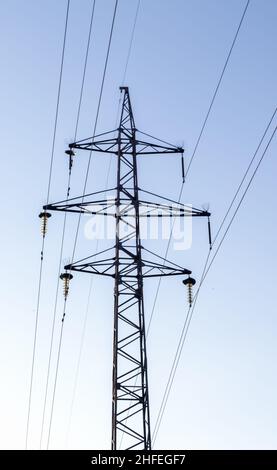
point(207, 268)
point(203, 275)
point(175, 362)
point(56, 372)
point(84, 327)
point(181, 191)
point(192, 157)
point(79, 218)
point(43, 240)
point(217, 87)
point(95, 125)
point(240, 202)
point(96, 249)
point(64, 224)
point(97, 118)
point(196, 147)
point(244, 177)
point(131, 42)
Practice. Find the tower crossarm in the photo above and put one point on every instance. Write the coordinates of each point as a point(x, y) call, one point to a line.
point(92, 205)
point(110, 145)
point(152, 264)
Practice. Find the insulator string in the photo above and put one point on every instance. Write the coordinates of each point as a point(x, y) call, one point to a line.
point(183, 167)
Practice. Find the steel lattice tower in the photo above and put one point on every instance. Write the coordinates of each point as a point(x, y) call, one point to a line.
point(128, 263)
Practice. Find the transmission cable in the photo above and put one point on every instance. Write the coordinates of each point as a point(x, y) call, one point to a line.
point(131, 42)
point(217, 87)
point(97, 244)
point(64, 224)
point(79, 218)
point(196, 147)
point(43, 239)
point(193, 155)
point(187, 318)
point(206, 269)
point(244, 177)
point(203, 276)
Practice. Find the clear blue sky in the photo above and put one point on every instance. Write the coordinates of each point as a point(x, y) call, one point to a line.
point(224, 394)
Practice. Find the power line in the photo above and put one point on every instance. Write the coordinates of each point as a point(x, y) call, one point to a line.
point(131, 42)
point(203, 276)
point(240, 202)
point(191, 310)
point(43, 240)
point(217, 86)
point(64, 225)
point(79, 218)
point(196, 147)
point(85, 69)
point(88, 168)
point(79, 362)
point(194, 152)
point(205, 271)
point(53, 323)
point(56, 372)
point(96, 249)
point(58, 104)
point(160, 279)
point(175, 363)
point(96, 122)
point(244, 177)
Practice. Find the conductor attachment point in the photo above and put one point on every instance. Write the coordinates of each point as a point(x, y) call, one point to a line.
point(66, 277)
point(44, 216)
point(189, 282)
point(71, 154)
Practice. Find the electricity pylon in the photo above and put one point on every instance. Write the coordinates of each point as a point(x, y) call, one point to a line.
point(128, 263)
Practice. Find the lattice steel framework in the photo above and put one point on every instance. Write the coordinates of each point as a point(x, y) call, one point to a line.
point(128, 263)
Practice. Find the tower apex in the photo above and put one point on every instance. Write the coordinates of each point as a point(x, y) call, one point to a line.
point(124, 88)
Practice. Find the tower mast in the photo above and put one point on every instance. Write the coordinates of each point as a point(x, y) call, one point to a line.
point(130, 381)
point(128, 263)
